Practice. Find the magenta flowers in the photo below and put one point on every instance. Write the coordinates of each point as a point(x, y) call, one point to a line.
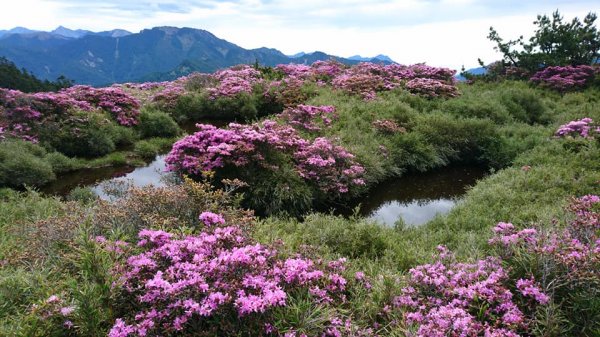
point(584, 127)
point(564, 78)
point(329, 166)
point(219, 273)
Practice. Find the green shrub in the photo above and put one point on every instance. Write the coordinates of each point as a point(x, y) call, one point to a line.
point(82, 194)
point(469, 140)
point(196, 106)
point(524, 104)
point(278, 191)
point(61, 163)
point(480, 106)
point(23, 163)
point(149, 148)
point(121, 135)
point(146, 149)
point(81, 136)
point(155, 123)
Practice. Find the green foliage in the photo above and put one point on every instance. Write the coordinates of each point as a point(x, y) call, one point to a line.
point(23, 163)
point(196, 106)
point(150, 148)
point(121, 135)
point(82, 194)
point(554, 43)
point(279, 191)
point(155, 123)
point(88, 136)
point(61, 163)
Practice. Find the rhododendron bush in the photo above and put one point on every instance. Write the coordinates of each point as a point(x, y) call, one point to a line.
point(124, 107)
point(329, 166)
point(366, 79)
point(309, 117)
point(447, 298)
point(498, 296)
point(216, 282)
point(584, 127)
point(565, 78)
point(565, 261)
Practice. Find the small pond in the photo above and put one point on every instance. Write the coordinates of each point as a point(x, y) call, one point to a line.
point(416, 198)
point(99, 178)
point(419, 197)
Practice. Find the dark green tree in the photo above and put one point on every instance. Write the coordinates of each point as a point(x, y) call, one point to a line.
point(555, 43)
point(12, 77)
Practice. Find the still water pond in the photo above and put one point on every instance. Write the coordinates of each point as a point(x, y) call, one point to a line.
point(100, 178)
point(415, 198)
point(418, 198)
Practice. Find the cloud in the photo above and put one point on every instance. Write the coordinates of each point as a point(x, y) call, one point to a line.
point(441, 32)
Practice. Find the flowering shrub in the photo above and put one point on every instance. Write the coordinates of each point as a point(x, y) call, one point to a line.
point(584, 127)
point(56, 313)
point(299, 71)
point(289, 91)
point(325, 70)
point(447, 298)
point(331, 167)
point(565, 261)
point(388, 126)
point(123, 106)
point(365, 85)
point(167, 98)
point(204, 283)
point(574, 251)
point(430, 87)
point(565, 78)
point(306, 116)
point(212, 148)
point(21, 115)
point(366, 79)
point(232, 81)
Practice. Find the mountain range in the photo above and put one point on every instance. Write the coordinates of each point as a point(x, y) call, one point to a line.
point(156, 54)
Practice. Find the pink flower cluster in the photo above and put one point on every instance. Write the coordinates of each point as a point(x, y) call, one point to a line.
point(573, 254)
point(167, 97)
point(447, 298)
point(388, 126)
point(235, 80)
point(309, 117)
point(330, 167)
point(21, 114)
point(54, 308)
point(366, 79)
point(184, 283)
point(123, 106)
point(212, 147)
point(584, 127)
point(430, 87)
point(564, 78)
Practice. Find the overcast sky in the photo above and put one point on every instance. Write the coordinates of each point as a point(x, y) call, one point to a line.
point(447, 33)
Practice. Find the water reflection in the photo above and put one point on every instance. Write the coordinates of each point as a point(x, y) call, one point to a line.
point(98, 179)
point(417, 198)
point(141, 176)
point(414, 198)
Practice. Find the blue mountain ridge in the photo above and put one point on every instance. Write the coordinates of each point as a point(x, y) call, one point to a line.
point(116, 56)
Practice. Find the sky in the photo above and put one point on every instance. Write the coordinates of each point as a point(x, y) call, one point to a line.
point(448, 33)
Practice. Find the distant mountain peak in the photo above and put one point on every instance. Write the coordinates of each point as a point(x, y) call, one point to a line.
point(156, 54)
point(379, 57)
point(66, 32)
point(18, 30)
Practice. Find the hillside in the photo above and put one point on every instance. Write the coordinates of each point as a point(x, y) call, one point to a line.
point(160, 53)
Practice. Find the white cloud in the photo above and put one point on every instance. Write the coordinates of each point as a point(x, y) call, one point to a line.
point(441, 32)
